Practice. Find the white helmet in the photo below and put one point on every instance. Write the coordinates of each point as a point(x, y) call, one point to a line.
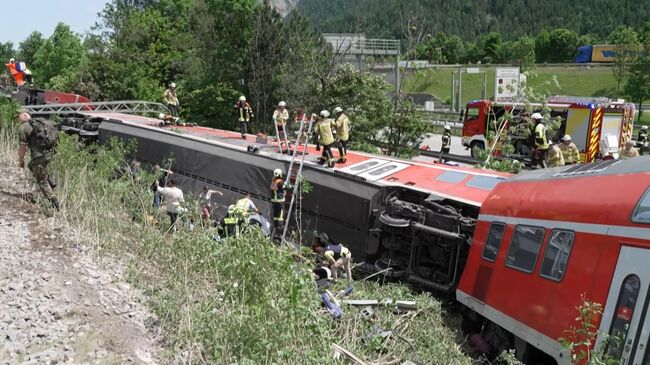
point(282, 104)
point(537, 116)
point(231, 209)
point(566, 138)
point(645, 127)
point(242, 98)
point(447, 128)
point(172, 85)
point(161, 116)
point(324, 113)
point(277, 173)
point(338, 109)
point(11, 60)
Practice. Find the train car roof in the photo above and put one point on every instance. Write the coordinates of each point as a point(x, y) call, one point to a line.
point(596, 195)
point(464, 184)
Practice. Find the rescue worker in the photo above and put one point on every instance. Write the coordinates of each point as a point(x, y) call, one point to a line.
point(342, 125)
point(569, 151)
point(245, 114)
point(230, 224)
point(446, 143)
point(280, 120)
point(171, 100)
point(629, 151)
point(642, 139)
point(540, 154)
point(278, 188)
point(15, 72)
point(335, 254)
point(39, 135)
point(555, 157)
point(324, 131)
point(244, 206)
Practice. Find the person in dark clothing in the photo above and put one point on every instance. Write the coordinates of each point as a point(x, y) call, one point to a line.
point(162, 176)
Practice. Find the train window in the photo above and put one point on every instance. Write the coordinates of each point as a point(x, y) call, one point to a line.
point(452, 177)
point(494, 241)
point(364, 166)
point(524, 248)
point(623, 316)
point(642, 211)
point(483, 182)
point(557, 255)
point(382, 170)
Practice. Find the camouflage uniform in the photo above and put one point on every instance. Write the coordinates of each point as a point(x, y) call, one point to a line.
point(39, 161)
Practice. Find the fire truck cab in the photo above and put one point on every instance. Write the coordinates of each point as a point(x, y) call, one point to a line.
point(544, 240)
point(598, 126)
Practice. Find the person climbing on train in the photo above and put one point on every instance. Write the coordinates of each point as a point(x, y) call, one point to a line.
point(205, 197)
point(570, 152)
point(335, 254)
point(278, 189)
point(540, 153)
point(555, 157)
point(324, 131)
point(245, 114)
point(342, 125)
point(280, 120)
point(446, 143)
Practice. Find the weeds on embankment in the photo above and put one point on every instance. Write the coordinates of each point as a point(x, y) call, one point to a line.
point(237, 301)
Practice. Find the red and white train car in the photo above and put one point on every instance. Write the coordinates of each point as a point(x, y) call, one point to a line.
point(545, 239)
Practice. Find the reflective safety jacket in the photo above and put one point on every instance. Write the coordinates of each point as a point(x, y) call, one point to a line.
point(570, 153)
point(555, 157)
point(342, 125)
point(244, 111)
point(281, 117)
point(229, 226)
point(336, 251)
point(541, 142)
point(243, 206)
point(277, 190)
point(446, 140)
point(642, 138)
point(324, 131)
point(170, 97)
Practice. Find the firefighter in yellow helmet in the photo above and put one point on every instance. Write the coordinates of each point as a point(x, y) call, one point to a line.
point(324, 131)
point(569, 151)
point(280, 119)
point(342, 125)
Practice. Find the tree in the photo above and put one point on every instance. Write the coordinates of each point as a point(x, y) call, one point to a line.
point(627, 47)
point(491, 47)
point(524, 53)
point(542, 46)
point(6, 52)
point(59, 55)
point(638, 81)
point(28, 48)
point(562, 45)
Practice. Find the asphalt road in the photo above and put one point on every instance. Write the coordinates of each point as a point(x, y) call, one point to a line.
point(435, 142)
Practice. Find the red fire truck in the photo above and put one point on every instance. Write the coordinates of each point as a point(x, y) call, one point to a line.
point(546, 239)
point(598, 126)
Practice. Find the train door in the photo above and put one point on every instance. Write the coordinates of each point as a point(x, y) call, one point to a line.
point(625, 318)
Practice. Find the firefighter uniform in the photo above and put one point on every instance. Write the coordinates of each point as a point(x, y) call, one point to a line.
point(570, 153)
point(342, 125)
point(642, 140)
point(171, 100)
point(278, 198)
point(629, 151)
point(280, 119)
point(446, 143)
point(230, 224)
point(245, 114)
point(541, 145)
point(244, 206)
point(326, 138)
point(555, 157)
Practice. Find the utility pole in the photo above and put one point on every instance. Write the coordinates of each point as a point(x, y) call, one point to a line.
point(460, 86)
point(397, 76)
point(484, 91)
point(453, 91)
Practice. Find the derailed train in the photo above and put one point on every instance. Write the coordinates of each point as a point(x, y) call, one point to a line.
point(442, 227)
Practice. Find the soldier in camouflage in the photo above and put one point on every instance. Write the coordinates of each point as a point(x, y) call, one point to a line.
point(40, 158)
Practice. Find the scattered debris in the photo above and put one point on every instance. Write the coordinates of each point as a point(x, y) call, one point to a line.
point(340, 350)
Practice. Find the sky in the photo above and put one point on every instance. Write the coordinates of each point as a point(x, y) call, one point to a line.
point(18, 18)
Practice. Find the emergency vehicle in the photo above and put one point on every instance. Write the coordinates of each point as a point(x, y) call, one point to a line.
point(598, 126)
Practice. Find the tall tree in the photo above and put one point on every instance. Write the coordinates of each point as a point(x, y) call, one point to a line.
point(6, 52)
point(562, 45)
point(28, 48)
point(638, 82)
point(627, 46)
point(60, 54)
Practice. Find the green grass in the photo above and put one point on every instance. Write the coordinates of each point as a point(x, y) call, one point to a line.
point(595, 81)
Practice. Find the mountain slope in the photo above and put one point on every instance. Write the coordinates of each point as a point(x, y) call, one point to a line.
point(471, 18)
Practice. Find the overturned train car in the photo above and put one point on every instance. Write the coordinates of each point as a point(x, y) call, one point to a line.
point(415, 217)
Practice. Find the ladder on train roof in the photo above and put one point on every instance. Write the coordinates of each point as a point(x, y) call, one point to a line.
point(123, 106)
point(294, 173)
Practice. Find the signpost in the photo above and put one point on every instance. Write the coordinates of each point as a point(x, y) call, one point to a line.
point(507, 84)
